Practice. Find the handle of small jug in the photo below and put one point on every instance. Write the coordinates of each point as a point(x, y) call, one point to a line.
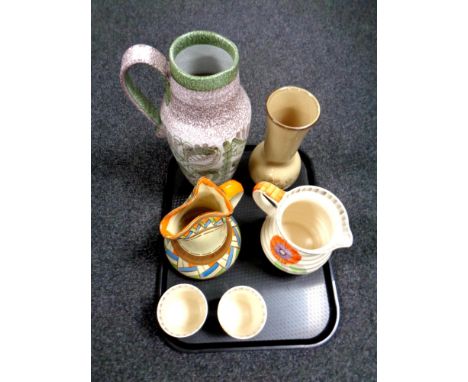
point(144, 54)
point(233, 191)
point(267, 196)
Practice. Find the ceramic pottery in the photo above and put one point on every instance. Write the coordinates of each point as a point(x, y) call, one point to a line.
point(201, 238)
point(303, 226)
point(182, 310)
point(291, 112)
point(205, 113)
point(242, 312)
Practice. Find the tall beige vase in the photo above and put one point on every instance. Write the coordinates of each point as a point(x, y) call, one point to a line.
point(291, 112)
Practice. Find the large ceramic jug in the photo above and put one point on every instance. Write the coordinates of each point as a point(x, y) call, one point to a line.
point(206, 113)
point(201, 238)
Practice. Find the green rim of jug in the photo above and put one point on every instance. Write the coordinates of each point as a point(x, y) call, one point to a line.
point(204, 83)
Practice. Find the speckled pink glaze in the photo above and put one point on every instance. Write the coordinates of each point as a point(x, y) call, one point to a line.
point(200, 125)
point(143, 54)
point(206, 119)
point(210, 117)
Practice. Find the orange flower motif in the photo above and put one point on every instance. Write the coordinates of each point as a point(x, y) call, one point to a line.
point(283, 251)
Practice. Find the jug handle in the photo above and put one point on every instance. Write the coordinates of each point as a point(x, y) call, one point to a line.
point(144, 54)
point(233, 191)
point(267, 196)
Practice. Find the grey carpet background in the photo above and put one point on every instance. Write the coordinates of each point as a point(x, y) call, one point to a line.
point(327, 47)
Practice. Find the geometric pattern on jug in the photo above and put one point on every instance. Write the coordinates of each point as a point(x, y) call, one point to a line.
point(209, 270)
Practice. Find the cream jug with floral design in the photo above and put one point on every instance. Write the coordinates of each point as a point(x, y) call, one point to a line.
point(205, 113)
point(303, 226)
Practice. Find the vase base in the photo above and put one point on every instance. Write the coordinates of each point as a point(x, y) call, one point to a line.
point(282, 175)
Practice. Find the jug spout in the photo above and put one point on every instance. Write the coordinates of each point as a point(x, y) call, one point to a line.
point(343, 236)
point(346, 240)
point(207, 201)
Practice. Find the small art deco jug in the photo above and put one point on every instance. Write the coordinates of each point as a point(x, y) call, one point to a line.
point(205, 113)
point(201, 237)
point(303, 226)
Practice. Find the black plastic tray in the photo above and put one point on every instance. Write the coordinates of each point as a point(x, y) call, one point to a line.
point(303, 311)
